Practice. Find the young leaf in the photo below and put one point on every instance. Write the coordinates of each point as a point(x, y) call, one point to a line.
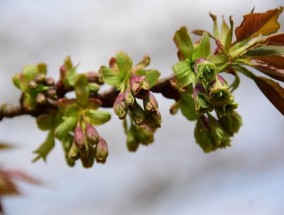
point(273, 91)
point(265, 51)
point(255, 24)
point(46, 121)
point(184, 42)
point(110, 77)
point(45, 147)
point(183, 73)
point(152, 76)
point(215, 26)
point(68, 124)
point(82, 90)
point(187, 106)
point(97, 117)
point(203, 48)
point(124, 62)
point(270, 69)
point(275, 40)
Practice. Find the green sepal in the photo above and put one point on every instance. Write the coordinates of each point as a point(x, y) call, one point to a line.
point(183, 42)
point(45, 147)
point(67, 125)
point(97, 117)
point(187, 106)
point(183, 73)
point(203, 48)
point(82, 90)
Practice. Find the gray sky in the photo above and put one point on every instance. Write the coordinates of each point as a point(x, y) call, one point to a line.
point(172, 176)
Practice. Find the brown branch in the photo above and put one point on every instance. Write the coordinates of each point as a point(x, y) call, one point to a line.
point(107, 97)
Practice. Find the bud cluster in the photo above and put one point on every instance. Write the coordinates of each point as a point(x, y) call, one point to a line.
point(88, 145)
point(36, 87)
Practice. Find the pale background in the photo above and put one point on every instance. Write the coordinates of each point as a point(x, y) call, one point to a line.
point(172, 176)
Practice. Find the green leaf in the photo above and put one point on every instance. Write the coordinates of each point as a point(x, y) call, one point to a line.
point(70, 74)
point(97, 117)
point(68, 124)
point(265, 51)
point(47, 121)
point(152, 76)
point(187, 106)
point(16, 80)
point(273, 91)
point(28, 75)
point(184, 42)
point(183, 73)
point(229, 36)
point(215, 26)
point(82, 90)
point(110, 77)
point(45, 147)
point(124, 62)
point(68, 107)
point(240, 48)
point(203, 48)
point(225, 30)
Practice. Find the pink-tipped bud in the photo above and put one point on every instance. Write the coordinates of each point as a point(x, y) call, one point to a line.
point(92, 134)
point(150, 103)
point(101, 151)
point(129, 98)
point(79, 138)
point(139, 87)
point(119, 106)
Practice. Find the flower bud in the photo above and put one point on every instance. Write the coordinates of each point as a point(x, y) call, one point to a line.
point(128, 98)
point(79, 138)
point(40, 98)
point(201, 100)
point(92, 134)
point(131, 142)
point(87, 157)
point(40, 78)
point(119, 106)
point(150, 103)
point(231, 122)
point(139, 87)
point(52, 93)
point(33, 84)
point(137, 114)
point(144, 134)
point(73, 152)
point(219, 92)
point(203, 135)
point(101, 151)
point(49, 81)
point(205, 70)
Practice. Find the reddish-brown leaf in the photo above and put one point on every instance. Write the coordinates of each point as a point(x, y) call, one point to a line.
point(274, 61)
point(275, 40)
point(271, 71)
point(273, 91)
point(255, 24)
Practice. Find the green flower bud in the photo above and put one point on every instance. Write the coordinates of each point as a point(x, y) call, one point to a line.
point(79, 137)
point(144, 134)
point(137, 114)
point(128, 98)
point(119, 106)
point(32, 85)
point(201, 100)
point(87, 157)
point(203, 135)
point(139, 86)
point(74, 152)
point(40, 78)
point(101, 151)
point(92, 134)
point(231, 122)
point(205, 70)
point(131, 142)
point(219, 92)
point(150, 103)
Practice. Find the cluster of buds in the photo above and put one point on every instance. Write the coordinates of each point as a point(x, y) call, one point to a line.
point(88, 145)
point(211, 91)
point(145, 120)
point(211, 133)
point(36, 87)
point(126, 103)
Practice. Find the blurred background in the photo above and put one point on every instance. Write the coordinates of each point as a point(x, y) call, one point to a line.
point(171, 176)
